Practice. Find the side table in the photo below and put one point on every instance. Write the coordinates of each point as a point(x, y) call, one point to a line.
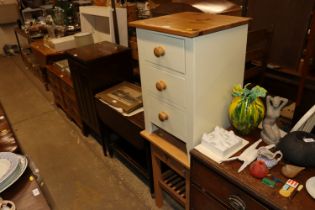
point(176, 178)
point(128, 145)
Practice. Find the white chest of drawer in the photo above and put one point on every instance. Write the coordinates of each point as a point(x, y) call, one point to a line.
point(187, 81)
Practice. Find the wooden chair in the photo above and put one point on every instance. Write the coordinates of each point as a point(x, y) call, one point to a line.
point(257, 50)
point(307, 122)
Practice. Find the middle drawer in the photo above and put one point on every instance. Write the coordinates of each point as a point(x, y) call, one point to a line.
point(164, 85)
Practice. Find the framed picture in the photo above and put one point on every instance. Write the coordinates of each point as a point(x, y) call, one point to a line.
point(124, 95)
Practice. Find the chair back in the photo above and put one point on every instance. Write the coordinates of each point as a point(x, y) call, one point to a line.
point(257, 51)
point(307, 122)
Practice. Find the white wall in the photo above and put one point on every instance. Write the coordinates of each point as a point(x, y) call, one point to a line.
point(7, 35)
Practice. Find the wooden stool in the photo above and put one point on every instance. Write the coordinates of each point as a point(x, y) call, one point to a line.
point(174, 181)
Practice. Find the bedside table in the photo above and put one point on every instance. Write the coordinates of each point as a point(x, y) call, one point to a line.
point(189, 63)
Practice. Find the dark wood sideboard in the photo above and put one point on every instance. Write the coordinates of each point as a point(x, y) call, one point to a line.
point(220, 186)
point(20, 192)
point(95, 68)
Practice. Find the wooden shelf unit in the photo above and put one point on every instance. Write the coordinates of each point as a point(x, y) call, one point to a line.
point(175, 181)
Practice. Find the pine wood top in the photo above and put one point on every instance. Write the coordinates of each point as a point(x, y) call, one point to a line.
point(190, 24)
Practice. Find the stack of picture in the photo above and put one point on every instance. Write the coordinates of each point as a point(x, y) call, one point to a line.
point(126, 96)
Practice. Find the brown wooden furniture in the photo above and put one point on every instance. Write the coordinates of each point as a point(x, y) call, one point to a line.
point(257, 50)
point(290, 21)
point(93, 69)
point(24, 41)
point(21, 191)
point(44, 56)
point(121, 134)
point(60, 84)
point(219, 186)
point(175, 179)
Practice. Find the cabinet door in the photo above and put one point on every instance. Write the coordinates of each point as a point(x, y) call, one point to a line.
point(200, 201)
point(84, 95)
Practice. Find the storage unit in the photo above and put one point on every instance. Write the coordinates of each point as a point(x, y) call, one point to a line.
point(60, 83)
point(99, 21)
point(95, 68)
point(189, 63)
point(170, 167)
point(220, 186)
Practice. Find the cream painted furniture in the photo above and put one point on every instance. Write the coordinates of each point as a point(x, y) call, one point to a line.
point(99, 21)
point(189, 63)
point(9, 11)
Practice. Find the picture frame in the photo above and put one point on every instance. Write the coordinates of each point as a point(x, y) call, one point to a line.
point(125, 95)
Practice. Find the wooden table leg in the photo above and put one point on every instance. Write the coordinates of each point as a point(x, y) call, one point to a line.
point(157, 175)
point(187, 179)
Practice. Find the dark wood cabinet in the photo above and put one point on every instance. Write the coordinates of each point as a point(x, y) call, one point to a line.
point(95, 68)
point(60, 84)
point(290, 23)
point(220, 186)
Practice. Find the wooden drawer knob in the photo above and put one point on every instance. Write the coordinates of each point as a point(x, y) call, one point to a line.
point(163, 116)
point(159, 51)
point(160, 85)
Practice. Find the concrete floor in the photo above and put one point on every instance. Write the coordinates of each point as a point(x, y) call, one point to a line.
point(76, 173)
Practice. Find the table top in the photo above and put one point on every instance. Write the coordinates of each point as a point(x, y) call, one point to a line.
point(167, 147)
point(90, 53)
point(190, 24)
point(257, 189)
point(21, 191)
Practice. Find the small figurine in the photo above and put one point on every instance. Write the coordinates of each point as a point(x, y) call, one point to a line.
point(271, 132)
point(248, 155)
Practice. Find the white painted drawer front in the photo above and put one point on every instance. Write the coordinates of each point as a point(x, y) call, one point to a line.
point(174, 50)
point(174, 91)
point(176, 123)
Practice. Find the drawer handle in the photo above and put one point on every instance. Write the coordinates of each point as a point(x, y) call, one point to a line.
point(160, 85)
point(236, 202)
point(159, 51)
point(163, 116)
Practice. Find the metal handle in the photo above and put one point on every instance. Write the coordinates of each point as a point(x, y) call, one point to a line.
point(159, 51)
point(163, 116)
point(236, 202)
point(160, 85)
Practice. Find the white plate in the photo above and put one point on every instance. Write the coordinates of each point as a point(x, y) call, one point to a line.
point(21, 168)
point(4, 167)
point(14, 162)
point(310, 186)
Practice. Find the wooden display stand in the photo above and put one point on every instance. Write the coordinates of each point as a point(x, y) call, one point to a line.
point(175, 181)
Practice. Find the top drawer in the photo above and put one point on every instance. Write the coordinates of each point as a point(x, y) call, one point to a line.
point(167, 51)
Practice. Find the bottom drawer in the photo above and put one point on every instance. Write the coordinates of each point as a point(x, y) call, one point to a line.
point(176, 122)
point(200, 201)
